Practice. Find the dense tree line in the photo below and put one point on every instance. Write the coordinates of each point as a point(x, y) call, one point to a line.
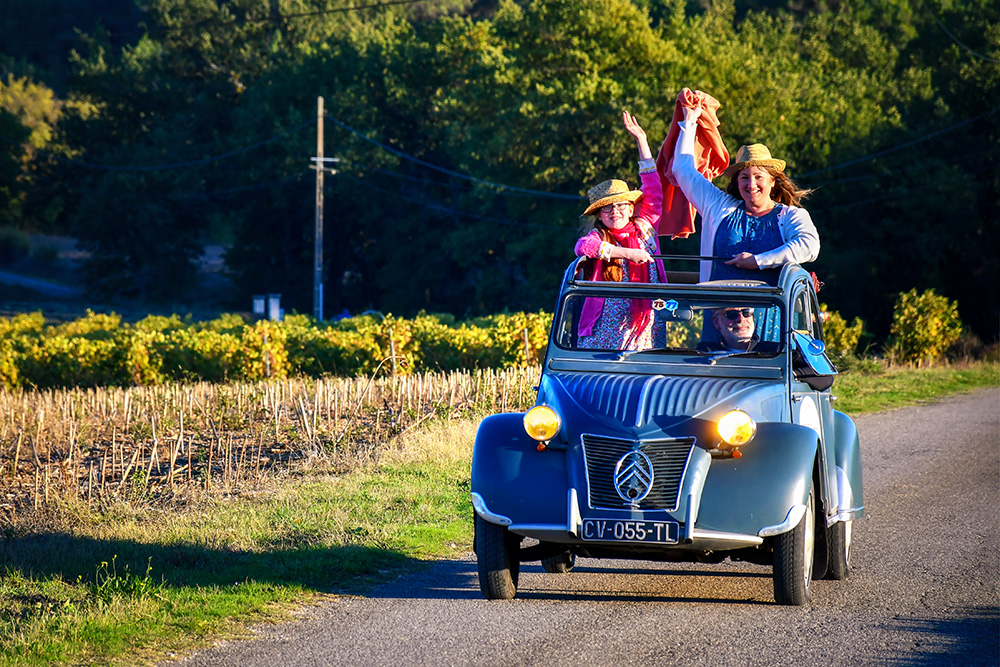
point(469, 131)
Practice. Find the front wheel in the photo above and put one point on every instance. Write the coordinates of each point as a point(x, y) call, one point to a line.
point(838, 540)
point(497, 554)
point(793, 559)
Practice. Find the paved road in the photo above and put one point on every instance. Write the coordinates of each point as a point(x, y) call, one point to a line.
point(924, 591)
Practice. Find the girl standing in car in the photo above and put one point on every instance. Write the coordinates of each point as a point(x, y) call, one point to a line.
point(620, 241)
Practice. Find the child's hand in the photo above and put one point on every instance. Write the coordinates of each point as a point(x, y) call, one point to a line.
point(633, 127)
point(637, 255)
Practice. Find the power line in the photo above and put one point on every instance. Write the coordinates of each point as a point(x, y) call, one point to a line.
point(444, 209)
point(901, 146)
point(892, 195)
point(175, 165)
point(423, 181)
point(867, 177)
point(186, 196)
point(215, 21)
point(491, 184)
point(959, 42)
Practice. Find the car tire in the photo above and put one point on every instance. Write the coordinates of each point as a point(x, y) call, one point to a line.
point(497, 555)
point(560, 564)
point(793, 559)
point(838, 540)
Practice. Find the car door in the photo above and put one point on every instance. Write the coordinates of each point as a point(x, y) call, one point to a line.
point(812, 407)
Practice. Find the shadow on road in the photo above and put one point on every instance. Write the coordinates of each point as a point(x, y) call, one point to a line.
point(458, 580)
point(973, 639)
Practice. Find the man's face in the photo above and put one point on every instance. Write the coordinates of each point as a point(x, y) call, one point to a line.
point(736, 326)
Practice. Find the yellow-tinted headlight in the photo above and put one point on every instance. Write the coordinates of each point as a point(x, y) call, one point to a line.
point(541, 422)
point(737, 428)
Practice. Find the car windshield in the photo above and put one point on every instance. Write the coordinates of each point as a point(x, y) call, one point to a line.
point(703, 325)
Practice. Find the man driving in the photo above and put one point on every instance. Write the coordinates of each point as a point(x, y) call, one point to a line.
point(736, 327)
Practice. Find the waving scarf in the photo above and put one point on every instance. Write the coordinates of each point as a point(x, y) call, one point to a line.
point(710, 158)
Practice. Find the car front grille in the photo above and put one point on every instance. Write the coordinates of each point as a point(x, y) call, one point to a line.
point(669, 459)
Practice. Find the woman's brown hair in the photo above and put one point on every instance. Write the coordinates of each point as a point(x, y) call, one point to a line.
point(785, 191)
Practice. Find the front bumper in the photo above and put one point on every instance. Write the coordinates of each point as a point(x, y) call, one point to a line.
point(690, 538)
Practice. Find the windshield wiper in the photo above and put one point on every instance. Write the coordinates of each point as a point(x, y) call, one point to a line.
point(745, 353)
point(658, 350)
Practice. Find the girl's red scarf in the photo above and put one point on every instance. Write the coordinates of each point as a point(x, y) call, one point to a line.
point(629, 236)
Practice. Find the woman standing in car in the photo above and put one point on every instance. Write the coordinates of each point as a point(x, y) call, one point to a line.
point(757, 221)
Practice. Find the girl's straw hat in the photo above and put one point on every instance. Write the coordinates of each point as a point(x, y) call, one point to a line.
point(610, 192)
point(754, 155)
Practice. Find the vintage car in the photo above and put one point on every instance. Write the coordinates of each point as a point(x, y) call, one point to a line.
point(685, 451)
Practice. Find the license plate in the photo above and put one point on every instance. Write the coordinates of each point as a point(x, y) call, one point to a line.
point(618, 530)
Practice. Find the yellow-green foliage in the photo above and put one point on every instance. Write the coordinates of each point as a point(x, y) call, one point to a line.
point(14, 332)
point(685, 334)
point(839, 336)
point(262, 352)
point(100, 350)
point(924, 326)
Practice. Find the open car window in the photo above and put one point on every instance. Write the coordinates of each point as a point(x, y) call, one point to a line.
point(676, 324)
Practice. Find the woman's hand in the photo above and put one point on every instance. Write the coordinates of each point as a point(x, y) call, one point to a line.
point(632, 127)
point(691, 113)
point(744, 260)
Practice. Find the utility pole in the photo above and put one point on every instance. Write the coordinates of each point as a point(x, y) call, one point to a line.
point(320, 167)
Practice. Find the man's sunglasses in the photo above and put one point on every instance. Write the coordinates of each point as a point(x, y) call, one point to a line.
point(733, 315)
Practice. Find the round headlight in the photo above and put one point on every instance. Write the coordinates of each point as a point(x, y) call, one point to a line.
point(737, 428)
point(541, 422)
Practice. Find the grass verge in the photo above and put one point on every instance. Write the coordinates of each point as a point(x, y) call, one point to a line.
point(873, 387)
point(133, 583)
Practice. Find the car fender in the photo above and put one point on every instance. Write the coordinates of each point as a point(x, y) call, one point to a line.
point(512, 478)
point(764, 487)
point(847, 456)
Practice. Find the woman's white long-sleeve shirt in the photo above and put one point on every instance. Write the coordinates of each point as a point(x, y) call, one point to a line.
point(801, 240)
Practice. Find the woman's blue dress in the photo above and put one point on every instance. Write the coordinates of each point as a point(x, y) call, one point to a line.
point(742, 232)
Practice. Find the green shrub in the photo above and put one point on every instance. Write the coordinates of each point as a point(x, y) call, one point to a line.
point(924, 326)
point(25, 324)
point(98, 326)
point(840, 337)
point(229, 323)
point(9, 375)
point(136, 359)
point(159, 323)
point(192, 355)
point(261, 353)
point(61, 361)
point(317, 352)
point(101, 350)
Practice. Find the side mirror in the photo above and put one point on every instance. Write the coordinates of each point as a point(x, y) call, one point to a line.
point(810, 363)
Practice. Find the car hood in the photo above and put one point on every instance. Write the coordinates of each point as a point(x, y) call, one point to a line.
point(637, 400)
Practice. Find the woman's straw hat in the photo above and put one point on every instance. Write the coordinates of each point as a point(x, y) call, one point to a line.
point(754, 155)
point(610, 192)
